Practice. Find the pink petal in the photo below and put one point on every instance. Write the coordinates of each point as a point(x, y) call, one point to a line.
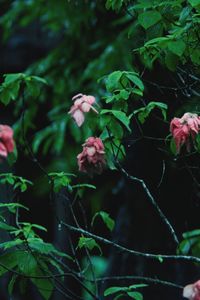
point(3, 150)
point(78, 117)
point(85, 107)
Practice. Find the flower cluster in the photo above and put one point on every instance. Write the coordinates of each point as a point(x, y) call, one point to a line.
point(185, 128)
point(92, 158)
point(192, 291)
point(82, 104)
point(6, 140)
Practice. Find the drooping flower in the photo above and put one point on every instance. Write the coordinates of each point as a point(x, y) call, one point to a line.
point(192, 291)
point(185, 128)
point(92, 158)
point(82, 104)
point(6, 140)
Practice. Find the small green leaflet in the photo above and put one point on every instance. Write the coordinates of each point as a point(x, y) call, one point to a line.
point(110, 223)
point(88, 243)
point(116, 289)
point(12, 207)
point(144, 112)
point(84, 185)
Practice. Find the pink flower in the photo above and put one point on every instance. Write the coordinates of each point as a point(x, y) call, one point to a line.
point(6, 140)
point(82, 104)
point(192, 291)
point(185, 128)
point(92, 158)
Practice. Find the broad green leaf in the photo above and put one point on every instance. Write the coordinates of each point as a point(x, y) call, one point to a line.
point(44, 286)
point(9, 260)
point(110, 223)
point(177, 47)
point(113, 80)
point(195, 56)
point(136, 80)
point(120, 115)
point(45, 248)
point(149, 18)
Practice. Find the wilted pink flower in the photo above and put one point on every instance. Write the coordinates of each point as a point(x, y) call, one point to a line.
point(6, 140)
point(185, 128)
point(92, 158)
point(82, 104)
point(192, 291)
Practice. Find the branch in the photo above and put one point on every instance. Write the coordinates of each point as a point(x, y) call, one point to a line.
point(131, 251)
point(152, 200)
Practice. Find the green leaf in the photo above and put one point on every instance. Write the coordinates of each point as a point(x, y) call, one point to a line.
point(46, 248)
point(113, 80)
point(194, 3)
point(149, 18)
point(110, 223)
point(9, 260)
point(12, 207)
point(120, 115)
point(113, 290)
point(177, 47)
point(135, 295)
point(171, 61)
point(6, 227)
point(144, 112)
point(44, 286)
point(11, 284)
point(136, 80)
point(173, 146)
point(192, 233)
point(88, 243)
point(84, 185)
point(195, 56)
point(114, 4)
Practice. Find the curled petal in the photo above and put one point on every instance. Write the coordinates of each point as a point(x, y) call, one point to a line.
point(77, 96)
